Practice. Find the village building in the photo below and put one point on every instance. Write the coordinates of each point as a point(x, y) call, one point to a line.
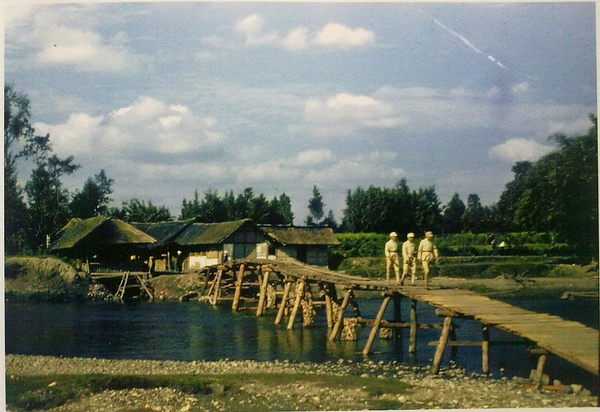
point(177, 246)
point(306, 244)
point(102, 242)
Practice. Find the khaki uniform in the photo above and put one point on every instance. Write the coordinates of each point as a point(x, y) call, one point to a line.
point(426, 253)
point(408, 256)
point(392, 259)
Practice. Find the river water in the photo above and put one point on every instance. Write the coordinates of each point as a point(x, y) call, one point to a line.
point(198, 331)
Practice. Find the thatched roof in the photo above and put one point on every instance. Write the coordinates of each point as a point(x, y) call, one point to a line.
point(290, 235)
point(98, 231)
point(209, 233)
point(164, 232)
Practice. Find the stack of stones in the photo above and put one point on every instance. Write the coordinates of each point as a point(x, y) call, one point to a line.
point(350, 330)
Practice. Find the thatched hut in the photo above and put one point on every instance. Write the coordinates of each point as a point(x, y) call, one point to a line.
point(103, 241)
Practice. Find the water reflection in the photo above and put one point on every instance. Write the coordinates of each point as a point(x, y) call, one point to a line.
point(196, 331)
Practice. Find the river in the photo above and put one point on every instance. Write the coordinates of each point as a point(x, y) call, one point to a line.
point(197, 331)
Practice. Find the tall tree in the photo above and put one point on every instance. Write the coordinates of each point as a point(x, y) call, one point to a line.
point(452, 215)
point(474, 214)
point(93, 199)
point(511, 196)
point(48, 200)
point(315, 207)
point(561, 192)
point(20, 141)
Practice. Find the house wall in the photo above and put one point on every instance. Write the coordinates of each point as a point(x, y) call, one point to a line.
point(312, 255)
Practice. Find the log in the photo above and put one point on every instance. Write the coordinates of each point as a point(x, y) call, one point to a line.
point(263, 293)
point(286, 293)
point(297, 301)
point(485, 349)
point(367, 348)
point(412, 345)
point(238, 288)
point(338, 324)
point(439, 352)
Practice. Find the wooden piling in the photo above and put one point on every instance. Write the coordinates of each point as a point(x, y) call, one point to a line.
point(238, 288)
point(263, 293)
point(439, 352)
point(539, 372)
point(340, 319)
point(217, 287)
point(284, 299)
point(380, 314)
point(412, 346)
point(299, 294)
point(485, 349)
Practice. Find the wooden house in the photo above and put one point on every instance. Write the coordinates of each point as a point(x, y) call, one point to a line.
point(109, 243)
point(164, 251)
point(305, 244)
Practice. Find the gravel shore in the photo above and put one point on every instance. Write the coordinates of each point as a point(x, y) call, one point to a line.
point(451, 389)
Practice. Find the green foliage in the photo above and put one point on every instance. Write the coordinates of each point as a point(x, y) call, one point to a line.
point(93, 199)
point(139, 211)
point(382, 210)
point(48, 200)
point(315, 206)
point(560, 192)
point(214, 208)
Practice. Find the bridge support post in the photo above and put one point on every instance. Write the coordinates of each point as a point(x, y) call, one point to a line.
point(398, 315)
point(217, 287)
point(299, 294)
point(412, 345)
point(284, 299)
point(263, 292)
point(340, 319)
point(238, 288)
point(380, 314)
point(485, 349)
point(439, 352)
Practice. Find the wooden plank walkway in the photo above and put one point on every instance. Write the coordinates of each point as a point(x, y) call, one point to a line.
point(570, 340)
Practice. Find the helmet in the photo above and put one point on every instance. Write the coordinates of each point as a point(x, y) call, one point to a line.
point(393, 234)
point(411, 234)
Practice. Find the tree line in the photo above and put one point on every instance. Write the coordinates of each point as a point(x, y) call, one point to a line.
point(558, 193)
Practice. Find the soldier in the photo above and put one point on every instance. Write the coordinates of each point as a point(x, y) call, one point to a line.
point(408, 256)
point(426, 253)
point(391, 256)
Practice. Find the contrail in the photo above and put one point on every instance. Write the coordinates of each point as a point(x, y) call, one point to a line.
point(463, 39)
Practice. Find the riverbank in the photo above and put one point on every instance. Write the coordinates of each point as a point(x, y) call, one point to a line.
point(82, 384)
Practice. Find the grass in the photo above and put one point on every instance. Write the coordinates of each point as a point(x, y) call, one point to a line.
point(29, 393)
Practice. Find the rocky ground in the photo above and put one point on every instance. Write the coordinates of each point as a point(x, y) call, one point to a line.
point(451, 389)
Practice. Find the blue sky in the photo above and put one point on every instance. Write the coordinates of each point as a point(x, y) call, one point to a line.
point(169, 98)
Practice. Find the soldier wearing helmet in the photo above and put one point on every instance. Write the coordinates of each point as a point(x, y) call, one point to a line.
point(426, 253)
point(409, 252)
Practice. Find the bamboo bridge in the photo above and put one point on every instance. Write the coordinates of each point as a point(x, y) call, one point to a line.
point(289, 288)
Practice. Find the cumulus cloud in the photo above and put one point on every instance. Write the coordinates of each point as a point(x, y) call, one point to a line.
point(514, 150)
point(345, 111)
point(148, 128)
point(55, 42)
point(333, 35)
point(420, 109)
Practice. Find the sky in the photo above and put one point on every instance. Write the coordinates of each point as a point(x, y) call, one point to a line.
point(170, 98)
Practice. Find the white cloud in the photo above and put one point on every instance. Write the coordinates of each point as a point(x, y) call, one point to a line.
point(147, 128)
point(313, 156)
point(346, 111)
point(521, 88)
point(55, 43)
point(332, 35)
point(338, 35)
point(514, 150)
